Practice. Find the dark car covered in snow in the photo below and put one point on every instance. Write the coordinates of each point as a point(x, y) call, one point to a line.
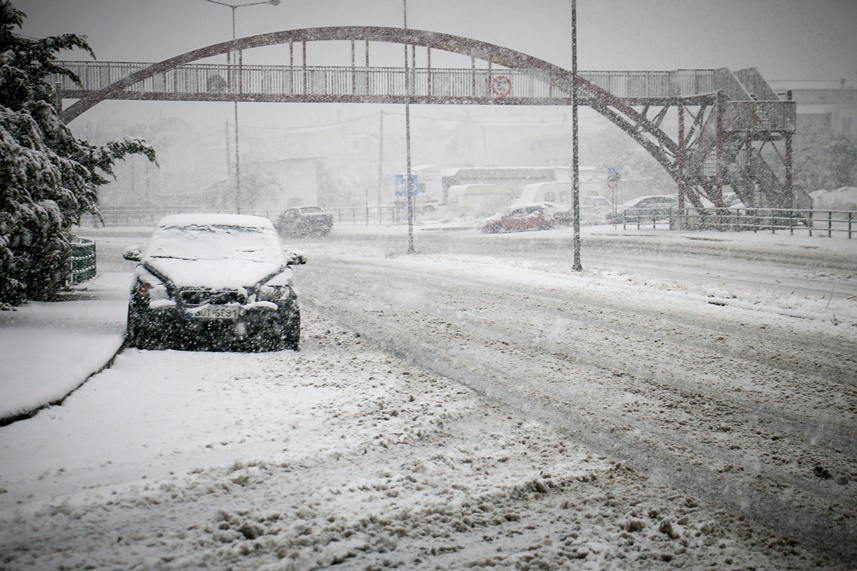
point(213, 281)
point(305, 221)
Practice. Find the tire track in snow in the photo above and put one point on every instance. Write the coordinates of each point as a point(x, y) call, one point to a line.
point(663, 452)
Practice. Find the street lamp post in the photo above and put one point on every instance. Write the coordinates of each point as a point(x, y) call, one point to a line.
point(410, 190)
point(575, 169)
point(234, 7)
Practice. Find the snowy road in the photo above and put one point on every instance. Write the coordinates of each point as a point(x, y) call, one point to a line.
point(475, 405)
point(741, 403)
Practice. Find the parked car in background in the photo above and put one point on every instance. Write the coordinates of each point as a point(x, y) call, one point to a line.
point(520, 218)
point(644, 209)
point(593, 209)
point(732, 200)
point(305, 221)
point(562, 214)
point(213, 281)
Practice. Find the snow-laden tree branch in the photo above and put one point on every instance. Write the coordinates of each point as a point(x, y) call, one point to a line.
point(48, 177)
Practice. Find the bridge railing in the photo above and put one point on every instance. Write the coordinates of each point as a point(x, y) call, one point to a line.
point(214, 79)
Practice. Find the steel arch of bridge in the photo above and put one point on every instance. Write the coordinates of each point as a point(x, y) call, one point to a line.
point(674, 156)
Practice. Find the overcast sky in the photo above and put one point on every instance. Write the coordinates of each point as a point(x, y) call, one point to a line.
point(784, 39)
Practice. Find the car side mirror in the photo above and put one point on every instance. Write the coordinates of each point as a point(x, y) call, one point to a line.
point(132, 254)
point(296, 259)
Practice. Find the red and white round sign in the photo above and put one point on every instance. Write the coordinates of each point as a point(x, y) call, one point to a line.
point(501, 86)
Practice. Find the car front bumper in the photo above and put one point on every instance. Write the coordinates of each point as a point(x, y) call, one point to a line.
point(258, 326)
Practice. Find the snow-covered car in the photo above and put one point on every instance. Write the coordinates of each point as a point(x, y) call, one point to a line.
point(305, 221)
point(214, 280)
point(644, 209)
point(562, 214)
point(733, 201)
point(520, 218)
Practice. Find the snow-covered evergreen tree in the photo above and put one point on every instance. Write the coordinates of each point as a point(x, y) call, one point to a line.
point(48, 177)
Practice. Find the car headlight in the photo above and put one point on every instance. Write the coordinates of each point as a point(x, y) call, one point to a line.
point(145, 292)
point(273, 292)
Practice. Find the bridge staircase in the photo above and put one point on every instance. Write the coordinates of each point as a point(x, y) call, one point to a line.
point(728, 149)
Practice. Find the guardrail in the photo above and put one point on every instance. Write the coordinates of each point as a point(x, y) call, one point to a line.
point(342, 215)
point(82, 261)
point(813, 222)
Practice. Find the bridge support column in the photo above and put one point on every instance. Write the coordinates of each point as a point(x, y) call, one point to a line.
point(680, 161)
point(718, 189)
point(789, 163)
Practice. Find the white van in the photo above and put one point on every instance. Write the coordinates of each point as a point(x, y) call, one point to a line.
point(478, 199)
point(559, 192)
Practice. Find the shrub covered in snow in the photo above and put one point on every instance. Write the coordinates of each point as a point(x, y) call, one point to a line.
point(48, 178)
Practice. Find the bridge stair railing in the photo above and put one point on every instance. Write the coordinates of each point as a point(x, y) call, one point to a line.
point(743, 120)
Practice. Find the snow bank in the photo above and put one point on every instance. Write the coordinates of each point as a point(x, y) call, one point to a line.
point(844, 198)
point(49, 349)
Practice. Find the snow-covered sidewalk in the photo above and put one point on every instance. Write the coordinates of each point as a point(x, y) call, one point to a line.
point(47, 349)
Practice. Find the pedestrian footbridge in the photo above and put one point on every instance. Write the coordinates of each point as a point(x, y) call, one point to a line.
point(732, 128)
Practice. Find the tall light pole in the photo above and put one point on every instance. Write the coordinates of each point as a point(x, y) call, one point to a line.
point(408, 184)
point(234, 7)
point(575, 160)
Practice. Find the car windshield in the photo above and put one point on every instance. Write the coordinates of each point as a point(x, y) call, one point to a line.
point(215, 242)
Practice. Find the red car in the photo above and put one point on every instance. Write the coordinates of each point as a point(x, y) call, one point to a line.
point(520, 218)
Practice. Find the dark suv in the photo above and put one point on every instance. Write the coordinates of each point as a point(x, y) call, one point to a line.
point(305, 221)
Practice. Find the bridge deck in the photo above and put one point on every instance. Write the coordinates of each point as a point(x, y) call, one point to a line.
point(499, 86)
point(270, 82)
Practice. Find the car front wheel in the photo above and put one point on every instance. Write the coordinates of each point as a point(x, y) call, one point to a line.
point(292, 337)
point(135, 335)
point(288, 333)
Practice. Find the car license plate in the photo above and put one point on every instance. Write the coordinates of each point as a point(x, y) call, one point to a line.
point(216, 312)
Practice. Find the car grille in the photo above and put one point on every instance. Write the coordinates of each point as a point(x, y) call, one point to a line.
point(192, 297)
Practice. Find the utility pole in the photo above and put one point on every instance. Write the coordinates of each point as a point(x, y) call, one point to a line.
point(575, 159)
point(408, 138)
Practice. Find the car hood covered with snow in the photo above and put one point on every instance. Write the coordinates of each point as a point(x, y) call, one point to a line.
point(215, 251)
point(214, 274)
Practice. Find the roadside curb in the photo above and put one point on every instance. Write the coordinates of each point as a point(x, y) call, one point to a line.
point(11, 419)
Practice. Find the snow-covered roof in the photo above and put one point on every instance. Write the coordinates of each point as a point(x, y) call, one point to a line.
point(215, 219)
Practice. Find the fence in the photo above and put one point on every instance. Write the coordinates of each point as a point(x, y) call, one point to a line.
point(82, 262)
point(343, 215)
point(813, 222)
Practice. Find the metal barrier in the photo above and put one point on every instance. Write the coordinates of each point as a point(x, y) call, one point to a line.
point(82, 261)
point(343, 215)
point(813, 222)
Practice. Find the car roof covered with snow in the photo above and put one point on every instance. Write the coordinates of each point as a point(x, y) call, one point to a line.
point(214, 219)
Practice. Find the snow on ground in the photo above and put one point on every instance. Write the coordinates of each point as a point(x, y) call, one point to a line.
point(344, 455)
point(48, 349)
point(337, 455)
